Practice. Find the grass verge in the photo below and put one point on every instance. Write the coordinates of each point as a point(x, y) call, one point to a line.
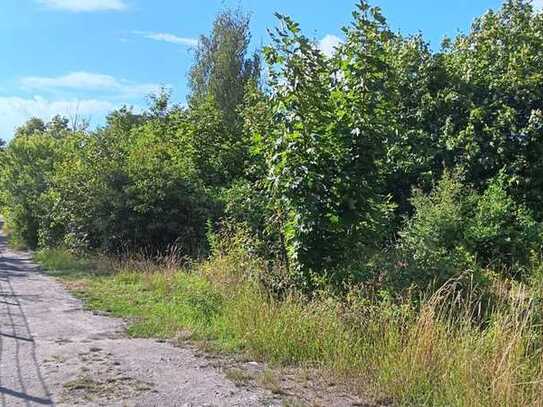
point(436, 354)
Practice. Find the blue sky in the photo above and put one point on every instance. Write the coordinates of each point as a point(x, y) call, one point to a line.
point(87, 57)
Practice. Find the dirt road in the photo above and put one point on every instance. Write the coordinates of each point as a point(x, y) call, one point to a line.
point(53, 352)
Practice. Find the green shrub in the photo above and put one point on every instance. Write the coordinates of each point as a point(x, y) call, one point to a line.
point(432, 243)
point(500, 231)
point(454, 229)
point(26, 172)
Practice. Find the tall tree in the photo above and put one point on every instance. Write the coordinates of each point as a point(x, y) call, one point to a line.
point(331, 122)
point(32, 126)
point(497, 86)
point(222, 67)
point(219, 80)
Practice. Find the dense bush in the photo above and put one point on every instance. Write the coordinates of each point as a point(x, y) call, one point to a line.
point(432, 241)
point(323, 154)
point(501, 232)
point(319, 164)
point(26, 172)
point(455, 230)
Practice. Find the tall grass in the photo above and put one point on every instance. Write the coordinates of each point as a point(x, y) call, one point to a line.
point(454, 348)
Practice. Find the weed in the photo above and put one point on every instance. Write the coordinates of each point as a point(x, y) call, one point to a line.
point(238, 376)
point(268, 379)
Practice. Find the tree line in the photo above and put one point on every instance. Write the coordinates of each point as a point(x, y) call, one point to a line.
point(386, 164)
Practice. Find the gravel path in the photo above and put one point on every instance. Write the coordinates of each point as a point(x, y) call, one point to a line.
point(53, 352)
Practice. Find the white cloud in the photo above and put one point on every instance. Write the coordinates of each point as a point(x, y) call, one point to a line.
point(538, 4)
point(85, 5)
point(167, 37)
point(329, 43)
point(102, 94)
point(74, 80)
point(91, 82)
point(14, 111)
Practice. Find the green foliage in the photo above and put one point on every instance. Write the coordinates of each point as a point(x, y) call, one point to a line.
point(33, 126)
point(501, 232)
point(89, 187)
point(128, 186)
point(319, 165)
point(26, 171)
point(455, 230)
point(221, 69)
point(496, 81)
point(245, 205)
point(218, 154)
point(432, 240)
point(323, 153)
point(2, 164)
point(169, 201)
point(219, 79)
point(414, 150)
point(474, 104)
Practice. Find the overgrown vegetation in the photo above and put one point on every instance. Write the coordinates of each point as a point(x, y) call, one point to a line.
point(392, 195)
point(438, 349)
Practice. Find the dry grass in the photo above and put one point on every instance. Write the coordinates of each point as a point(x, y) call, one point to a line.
point(238, 376)
point(269, 380)
point(448, 356)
